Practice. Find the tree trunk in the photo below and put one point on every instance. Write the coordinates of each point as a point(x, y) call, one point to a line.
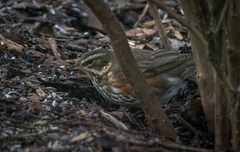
point(198, 14)
point(222, 122)
point(218, 49)
point(208, 17)
point(233, 50)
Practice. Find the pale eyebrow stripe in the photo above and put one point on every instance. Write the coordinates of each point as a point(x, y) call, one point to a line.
point(94, 56)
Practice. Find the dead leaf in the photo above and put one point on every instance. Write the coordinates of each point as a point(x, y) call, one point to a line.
point(35, 98)
point(37, 56)
point(149, 24)
point(169, 28)
point(30, 84)
point(82, 136)
point(133, 32)
point(148, 32)
point(41, 122)
point(36, 107)
point(149, 46)
point(53, 136)
point(10, 44)
point(140, 46)
point(178, 34)
point(166, 21)
point(152, 23)
point(82, 112)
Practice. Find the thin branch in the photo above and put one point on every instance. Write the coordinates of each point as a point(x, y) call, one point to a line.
point(222, 17)
point(160, 27)
point(186, 124)
point(141, 16)
point(182, 147)
point(222, 75)
point(181, 20)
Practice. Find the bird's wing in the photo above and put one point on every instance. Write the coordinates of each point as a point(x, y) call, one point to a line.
point(150, 60)
point(156, 62)
point(166, 61)
point(144, 59)
point(161, 58)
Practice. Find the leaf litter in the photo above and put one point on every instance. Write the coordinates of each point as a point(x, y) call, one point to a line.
point(45, 106)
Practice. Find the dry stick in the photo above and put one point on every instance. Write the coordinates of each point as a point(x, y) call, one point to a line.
point(160, 27)
point(186, 124)
point(181, 20)
point(154, 113)
point(182, 147)
point(54, 48)
point(141, 16)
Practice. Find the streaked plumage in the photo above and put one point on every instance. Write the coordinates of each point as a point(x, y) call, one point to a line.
point(165, 72)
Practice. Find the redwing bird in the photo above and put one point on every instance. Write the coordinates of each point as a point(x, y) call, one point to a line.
point(165, 72)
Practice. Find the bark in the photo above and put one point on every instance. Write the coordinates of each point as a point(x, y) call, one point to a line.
point(222, 122)
point(217, 55)
point(233, 50)
point(154, 113)
point(198, 16)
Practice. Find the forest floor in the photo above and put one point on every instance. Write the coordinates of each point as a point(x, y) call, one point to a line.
point(46, 106)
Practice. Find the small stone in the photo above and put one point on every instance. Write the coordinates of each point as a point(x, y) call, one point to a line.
point(54, 103)
point(8, 96)
point(84, 100)
point(54, 128)
point(23, 99)
point(54, 94)
point(156, 40)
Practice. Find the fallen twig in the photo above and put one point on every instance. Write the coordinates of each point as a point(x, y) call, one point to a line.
point(54, 48)
point(186, 124)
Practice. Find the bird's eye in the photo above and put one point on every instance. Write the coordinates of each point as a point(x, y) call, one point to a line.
point(88, 62)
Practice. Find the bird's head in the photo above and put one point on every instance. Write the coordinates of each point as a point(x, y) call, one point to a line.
point(95, 63)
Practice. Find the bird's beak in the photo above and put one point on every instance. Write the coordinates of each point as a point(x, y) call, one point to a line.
point(79, 67)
